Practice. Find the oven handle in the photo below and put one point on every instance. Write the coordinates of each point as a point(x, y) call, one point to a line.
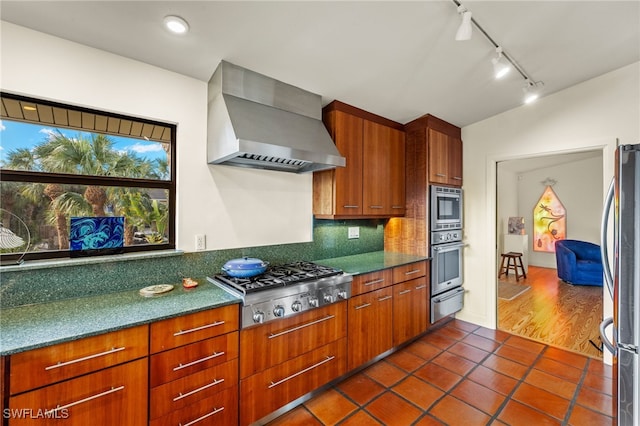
point(291, 330)
point(446, 246)
point(449, 296)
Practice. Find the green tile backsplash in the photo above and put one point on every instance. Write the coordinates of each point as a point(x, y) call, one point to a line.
point(28, 286)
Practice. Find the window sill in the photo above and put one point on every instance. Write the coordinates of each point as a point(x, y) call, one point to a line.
point(56, 263)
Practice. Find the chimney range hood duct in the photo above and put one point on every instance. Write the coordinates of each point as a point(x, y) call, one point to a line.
point(258, 122)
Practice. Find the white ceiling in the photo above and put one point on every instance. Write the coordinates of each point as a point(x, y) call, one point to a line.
point(396, 59)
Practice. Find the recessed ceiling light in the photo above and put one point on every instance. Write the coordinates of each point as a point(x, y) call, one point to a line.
point(176, 24)
point(28, 108)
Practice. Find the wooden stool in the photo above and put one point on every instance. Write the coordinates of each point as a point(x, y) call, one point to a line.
point(514, 261)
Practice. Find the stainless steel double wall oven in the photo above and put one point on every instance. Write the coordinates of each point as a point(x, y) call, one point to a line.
point(447, 248)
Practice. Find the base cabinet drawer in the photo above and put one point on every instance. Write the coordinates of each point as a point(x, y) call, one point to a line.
point(187, 390)
point(220, 409)
point(113, 396)
point(271, 389)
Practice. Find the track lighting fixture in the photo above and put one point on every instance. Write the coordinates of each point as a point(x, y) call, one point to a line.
point(503, 62)
point(464, 30)
point(500, 67)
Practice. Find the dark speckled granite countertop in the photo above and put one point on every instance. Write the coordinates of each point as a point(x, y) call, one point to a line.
point(370, 262)
point(34, 326)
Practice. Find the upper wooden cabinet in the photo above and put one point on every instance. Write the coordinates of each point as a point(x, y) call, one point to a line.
point(373, 182)
point(444, 148)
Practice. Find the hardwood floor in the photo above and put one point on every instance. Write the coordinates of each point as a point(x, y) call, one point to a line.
point(554, 312)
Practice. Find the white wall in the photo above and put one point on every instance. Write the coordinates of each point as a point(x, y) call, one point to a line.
point(587, 116)
point(233, 207)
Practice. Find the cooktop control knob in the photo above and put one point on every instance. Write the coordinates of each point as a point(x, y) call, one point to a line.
point(278, 311)
point(313, 302)
point(258, 317)
point(329, 298)
point(296, 306)
point(342, 294)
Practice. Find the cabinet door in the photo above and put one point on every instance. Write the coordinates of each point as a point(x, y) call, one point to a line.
point(376, 174)
point(455, 161)
point(409, 309)
point(113, 396)
point(438, 156)
point(397, 203)
point(348, 180)
point(369, 326)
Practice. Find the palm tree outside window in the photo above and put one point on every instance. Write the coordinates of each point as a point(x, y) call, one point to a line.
point(59, 161)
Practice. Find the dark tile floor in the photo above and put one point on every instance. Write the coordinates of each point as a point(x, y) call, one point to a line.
point(462, 374)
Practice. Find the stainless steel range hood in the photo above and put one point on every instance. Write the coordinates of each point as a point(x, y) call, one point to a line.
point(258, 122)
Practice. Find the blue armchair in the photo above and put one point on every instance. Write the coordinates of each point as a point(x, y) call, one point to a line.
point(579, 262)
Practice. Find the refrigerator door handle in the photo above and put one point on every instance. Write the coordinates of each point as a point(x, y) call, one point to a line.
point(604, 252)
point(611, 346)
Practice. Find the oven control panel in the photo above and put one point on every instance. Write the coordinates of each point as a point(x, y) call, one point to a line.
point(442, 237)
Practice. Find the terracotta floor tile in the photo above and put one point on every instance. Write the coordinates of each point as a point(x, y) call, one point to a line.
point(493, 380)
point(385, 373)
point(428, 421)
point(581, 416)
point(423, 350)
point(566, 357)
point(551, 383)
point(600, 368)
point(517, 414)
point(455, 412)
point(542, 400)
point(505, 366)
point(497, 335)
point(360, 388)
point(481, 342)
point(330, 407)
point(417, 391)
point(463, 325)
point(599, 383)
point(391, 410)
point(525, 344)
point(438, 340)
point(480, 397)
point(469, 352)
point(558, 369)
point(438, 376)
point(299, 416)
point(452, 332)
point(596, 401)
point(406, 360)
point(360, 418)
point(454, 363)
point(516, 354)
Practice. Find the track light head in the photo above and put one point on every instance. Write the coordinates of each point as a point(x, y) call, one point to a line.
point(500, 66)
point(530, 92)
point(464, 30)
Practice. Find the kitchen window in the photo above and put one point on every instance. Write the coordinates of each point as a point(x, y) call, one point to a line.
point(59, 162)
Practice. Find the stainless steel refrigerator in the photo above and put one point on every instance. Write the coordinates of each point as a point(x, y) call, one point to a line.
point(623, 281)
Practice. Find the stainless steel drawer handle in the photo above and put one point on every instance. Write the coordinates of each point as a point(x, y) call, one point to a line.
point(415, 271)
point(192, 422)
point(200, 389)
point(73, 361)
point(381, 280)
point(198, 361)
point(350, 207)
point(202, 327)
point(271, 336)
point(375, 207)
point(397, 207)
point(382, 299)
point(365, 305)
point(89, 398)
point(420, 287)
point(279, 382)
point(457, 178)
point(441, 175)
point(404, 292)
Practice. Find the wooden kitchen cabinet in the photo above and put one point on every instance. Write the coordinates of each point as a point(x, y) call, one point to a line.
point(410, 301)
point(365, 283)
point(370, 330)
point(372, 183)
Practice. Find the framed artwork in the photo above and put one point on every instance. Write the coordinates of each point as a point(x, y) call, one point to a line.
point(516, 226)
point(549, 221)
